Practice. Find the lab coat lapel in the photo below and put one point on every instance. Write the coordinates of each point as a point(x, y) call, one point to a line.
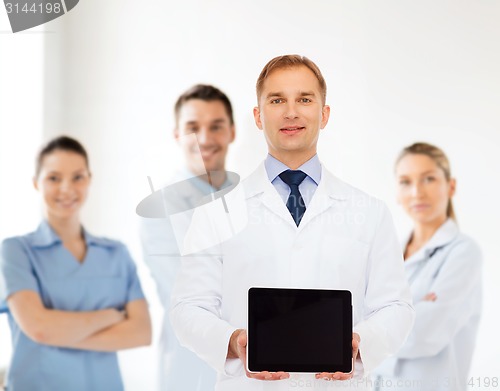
point(258, 185)
point(330, 191)
point(318, 204)
point(272, 201)
point(444, 235)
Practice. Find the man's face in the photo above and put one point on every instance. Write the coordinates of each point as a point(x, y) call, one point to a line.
point(204, 127)
point(291, 113)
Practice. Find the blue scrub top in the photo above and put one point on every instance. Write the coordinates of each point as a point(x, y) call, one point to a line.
point(107, 278)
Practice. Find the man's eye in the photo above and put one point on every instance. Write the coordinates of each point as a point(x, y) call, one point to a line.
point(305, 100)
point(277, 100)
point(215, 128)
point(429, 179)
point(78, 177)
point(53, 178)
point(192, 129)
point(404, 182)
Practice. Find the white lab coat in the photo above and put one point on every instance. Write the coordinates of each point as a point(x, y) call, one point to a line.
point(346, 240)
point(438, 352)
point(178, 367)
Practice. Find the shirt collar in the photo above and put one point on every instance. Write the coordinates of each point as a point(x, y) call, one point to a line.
point(45, 236)
point(95, 240)
point(259, 182)
point(312, 168)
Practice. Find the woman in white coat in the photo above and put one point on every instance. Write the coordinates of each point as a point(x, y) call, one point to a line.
point(443, 267)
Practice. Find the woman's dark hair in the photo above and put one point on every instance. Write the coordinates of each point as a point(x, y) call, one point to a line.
point(61, 143)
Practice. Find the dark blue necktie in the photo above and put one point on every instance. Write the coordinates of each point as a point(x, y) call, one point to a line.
point(295, 203)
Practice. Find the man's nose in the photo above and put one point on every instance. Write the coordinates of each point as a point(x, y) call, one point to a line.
point(203, 136)
point(291, 110)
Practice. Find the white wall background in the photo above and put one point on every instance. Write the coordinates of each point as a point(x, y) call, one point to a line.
point(21, 115)
point(397, 71)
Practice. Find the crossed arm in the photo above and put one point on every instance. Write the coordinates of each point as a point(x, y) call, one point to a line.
point(101, 330)
point(452, 303)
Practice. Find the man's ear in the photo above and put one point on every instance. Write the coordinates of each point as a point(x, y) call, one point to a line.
point(325, 115)
point(35, 183)
point(176, 134)
point(256, 116)
point(233, 133)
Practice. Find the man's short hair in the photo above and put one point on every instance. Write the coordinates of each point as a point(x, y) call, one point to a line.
point(204, 92)
point(290, 61)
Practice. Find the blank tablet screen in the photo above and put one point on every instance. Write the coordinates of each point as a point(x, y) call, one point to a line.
point(299, 330)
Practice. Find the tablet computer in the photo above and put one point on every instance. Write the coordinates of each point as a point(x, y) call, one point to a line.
point(299, 330)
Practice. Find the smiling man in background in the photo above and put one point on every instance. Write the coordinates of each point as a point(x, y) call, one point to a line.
point(204, 128)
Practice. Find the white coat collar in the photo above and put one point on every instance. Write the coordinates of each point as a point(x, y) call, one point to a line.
point(258, 183)
point(330, 190)
point(444, 235)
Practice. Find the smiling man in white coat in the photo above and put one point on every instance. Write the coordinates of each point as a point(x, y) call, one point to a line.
point(304, 229)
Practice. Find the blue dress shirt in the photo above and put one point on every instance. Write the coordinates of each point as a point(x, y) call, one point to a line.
point(106, 278)
point(308, 186)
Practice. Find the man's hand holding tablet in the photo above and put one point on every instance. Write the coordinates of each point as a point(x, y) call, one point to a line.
point(238, 349)
point(342, 375)
point(297, 331)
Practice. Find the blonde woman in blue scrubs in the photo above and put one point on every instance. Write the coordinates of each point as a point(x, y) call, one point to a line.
point(444, 270)
point(74, 299)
